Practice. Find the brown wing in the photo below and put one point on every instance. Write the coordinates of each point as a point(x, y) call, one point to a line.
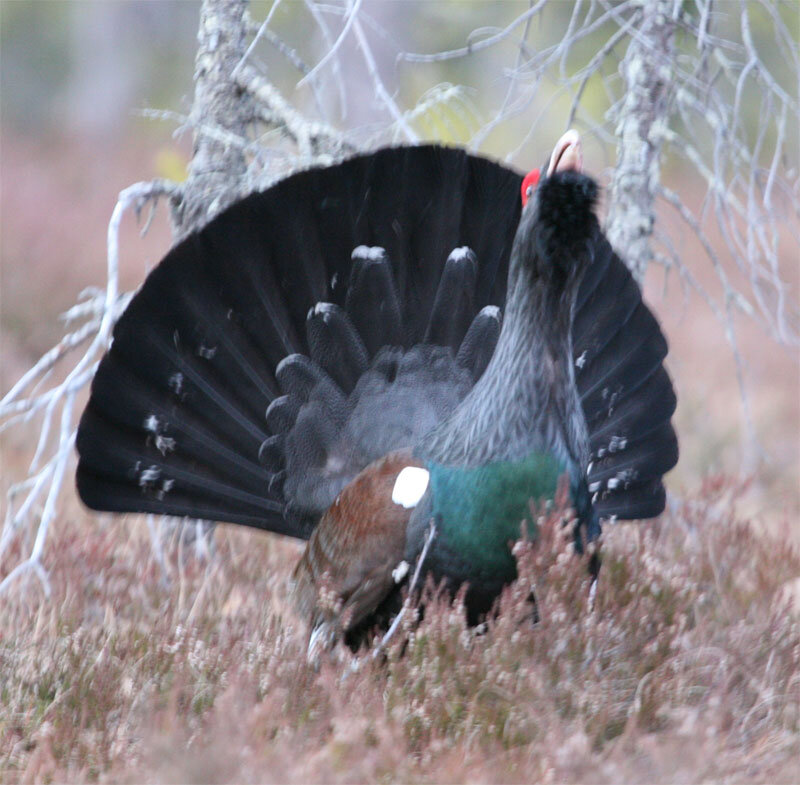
point(346, 569)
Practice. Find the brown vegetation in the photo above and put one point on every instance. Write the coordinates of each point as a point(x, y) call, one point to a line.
point(687, 668)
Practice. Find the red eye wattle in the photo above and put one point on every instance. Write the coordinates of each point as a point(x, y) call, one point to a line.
point(529, 185)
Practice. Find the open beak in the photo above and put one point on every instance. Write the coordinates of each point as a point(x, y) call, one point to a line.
point(567, 154)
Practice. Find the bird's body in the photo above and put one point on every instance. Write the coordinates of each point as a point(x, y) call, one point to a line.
point(329, 360)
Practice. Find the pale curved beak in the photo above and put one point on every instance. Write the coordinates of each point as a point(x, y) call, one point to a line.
point(567, 154)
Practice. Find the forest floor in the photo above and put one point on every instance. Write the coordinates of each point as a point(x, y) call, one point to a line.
point(685, 669)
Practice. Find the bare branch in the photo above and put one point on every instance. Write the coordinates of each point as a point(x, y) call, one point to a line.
point(275, 110)
point(381, 646)
point(352, 15)
point(256, 38)
point(380, 89)
point(48, 479)
point(471, 48)
point(724, 315)
point(314, 9)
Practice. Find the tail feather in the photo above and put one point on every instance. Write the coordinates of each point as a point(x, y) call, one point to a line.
point(372, 300)
point(626, 393)
point(602, 317)
point(114, 493)
point(635, 462)
point(335, 345)
point(178, 336)
point(638, 501)
point(282, 413)
point(202, 346)
point(627, 361)
point(244, 272)
point(161, 483)
point(635, 415)
point(453, 307)
point(126, 402)
point(301, 377)
point(249, 379)
point(179, 377)
point(478, 345)
point(309, 447)
point(272, 453)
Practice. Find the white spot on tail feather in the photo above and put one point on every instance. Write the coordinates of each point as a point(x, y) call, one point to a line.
point(617, 443)
point(373, 253)
point(581, 361)
point(166, 487)
point(459, 254)
point(626, 476)
point(206, 352)
point(410, 486)
point(164, 444)
point(148, 476)
point(492, 311)
point(176, 382)
point(322, 309)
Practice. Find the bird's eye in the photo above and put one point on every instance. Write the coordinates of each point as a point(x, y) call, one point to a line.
point(529, 185)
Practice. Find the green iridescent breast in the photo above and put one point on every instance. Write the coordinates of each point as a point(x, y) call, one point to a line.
point(479, 511)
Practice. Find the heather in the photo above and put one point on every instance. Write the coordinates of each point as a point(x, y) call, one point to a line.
point(684, 666)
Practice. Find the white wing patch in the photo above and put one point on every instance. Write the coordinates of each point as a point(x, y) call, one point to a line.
point(410, 486)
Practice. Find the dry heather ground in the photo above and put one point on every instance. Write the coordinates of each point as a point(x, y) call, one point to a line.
point(687, 668)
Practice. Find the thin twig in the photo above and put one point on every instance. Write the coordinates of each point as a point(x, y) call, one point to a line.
point(381, 646)
point(352, 15)
point(256, 38)
point(380, 89)
point(471, 48)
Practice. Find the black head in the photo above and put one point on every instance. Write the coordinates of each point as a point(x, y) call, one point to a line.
point(557, 227)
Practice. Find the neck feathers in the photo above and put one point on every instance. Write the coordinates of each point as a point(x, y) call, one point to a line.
point(526, 401)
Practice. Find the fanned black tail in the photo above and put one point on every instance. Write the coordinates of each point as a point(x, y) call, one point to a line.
point(313, 327)
point(264, 363)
